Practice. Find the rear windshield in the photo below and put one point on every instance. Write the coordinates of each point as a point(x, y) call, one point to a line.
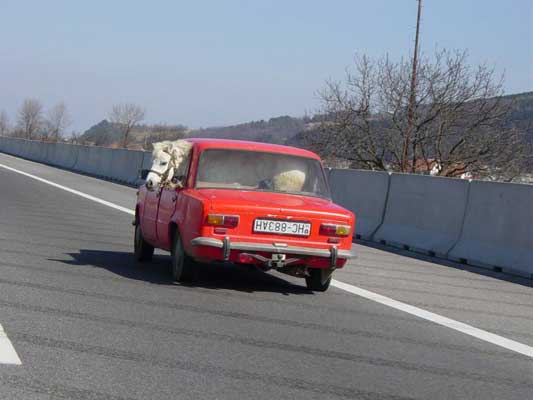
point(261, 171)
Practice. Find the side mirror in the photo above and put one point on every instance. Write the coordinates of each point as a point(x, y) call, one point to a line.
point(143, 173)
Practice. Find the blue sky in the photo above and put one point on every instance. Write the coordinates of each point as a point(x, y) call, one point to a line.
point(206, 63)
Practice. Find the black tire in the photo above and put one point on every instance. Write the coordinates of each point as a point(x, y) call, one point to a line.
point(142, 250)
point(181, 265)
point(318, 279)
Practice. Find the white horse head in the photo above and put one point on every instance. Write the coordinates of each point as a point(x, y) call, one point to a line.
point(167, 159)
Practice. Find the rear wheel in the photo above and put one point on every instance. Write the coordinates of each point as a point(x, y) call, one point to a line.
point(318, 279)
point(142, 250)
point(181, 265)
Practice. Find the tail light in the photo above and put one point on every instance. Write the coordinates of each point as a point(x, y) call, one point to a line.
point(335, 230)
point(229, 221)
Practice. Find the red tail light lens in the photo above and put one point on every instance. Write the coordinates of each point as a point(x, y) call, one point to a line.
point(335, 230)
point(229, 221)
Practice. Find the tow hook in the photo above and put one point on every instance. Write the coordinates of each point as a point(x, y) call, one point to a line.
point(278, 260)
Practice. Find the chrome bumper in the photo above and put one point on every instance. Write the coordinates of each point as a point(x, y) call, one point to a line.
point(226, 245)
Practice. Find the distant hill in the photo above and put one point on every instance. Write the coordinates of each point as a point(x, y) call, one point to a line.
point(103, 133)
point(281, 130)
point(275, 130)
point(521, 114)
point(108, 134)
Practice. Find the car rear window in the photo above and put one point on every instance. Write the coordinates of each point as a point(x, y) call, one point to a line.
point(261, 171)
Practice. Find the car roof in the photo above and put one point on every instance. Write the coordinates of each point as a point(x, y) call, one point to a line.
point(208, 143)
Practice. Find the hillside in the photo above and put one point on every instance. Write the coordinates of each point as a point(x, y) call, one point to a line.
point(521, 114)
point(108, 134)
point(281, 130)
point(103, 133)
point(275, 130)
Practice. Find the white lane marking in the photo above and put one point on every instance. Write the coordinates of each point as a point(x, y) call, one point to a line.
point(76, 192)
point(8, 355)
point(398, 305)
point(438, 319)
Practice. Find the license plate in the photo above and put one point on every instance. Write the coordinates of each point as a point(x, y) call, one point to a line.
point(282, 227)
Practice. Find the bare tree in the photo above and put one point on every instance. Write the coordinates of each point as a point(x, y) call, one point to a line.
point(57, 121)
point(458, 118)
point(30, 118)
point(75, 137)
point(4, 124)
point(126, 116)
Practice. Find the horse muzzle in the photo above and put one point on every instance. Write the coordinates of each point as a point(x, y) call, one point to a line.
point(153, 179)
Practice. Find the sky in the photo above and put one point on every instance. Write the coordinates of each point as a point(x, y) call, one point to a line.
point(212, 63)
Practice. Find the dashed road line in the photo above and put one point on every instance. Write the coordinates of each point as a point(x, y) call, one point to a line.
point(8, 354)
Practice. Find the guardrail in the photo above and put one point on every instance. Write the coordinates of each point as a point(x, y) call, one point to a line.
point(118, 165)
point(484, 224)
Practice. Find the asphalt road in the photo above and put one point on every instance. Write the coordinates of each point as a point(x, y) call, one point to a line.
point(89, 323)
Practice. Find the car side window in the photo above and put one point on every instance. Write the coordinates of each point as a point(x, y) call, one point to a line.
point(182, 172)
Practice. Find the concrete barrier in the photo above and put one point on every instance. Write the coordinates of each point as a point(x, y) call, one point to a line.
point(11, 146)
point(147, 160)
point(95, 161)
point(424, 213)
point(6, 145)
point(105, 160)
point(26, 149)
point(125, 165)
point(498, 228)
point(34, 151)
point(99, 162)
point(45, 152)
point(118, 164)
point(30, 150)
point(364, 193)
point(63, 155)
point(82, 163)
point(17, 147)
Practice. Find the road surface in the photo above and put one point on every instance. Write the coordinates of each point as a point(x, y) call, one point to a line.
point(87, 322)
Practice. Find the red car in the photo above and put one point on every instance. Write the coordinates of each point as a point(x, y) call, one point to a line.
point(247, 203)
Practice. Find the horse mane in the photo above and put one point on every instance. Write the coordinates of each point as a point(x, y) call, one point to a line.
point(178, 148)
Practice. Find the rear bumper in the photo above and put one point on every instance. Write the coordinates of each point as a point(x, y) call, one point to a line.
point(227, 246)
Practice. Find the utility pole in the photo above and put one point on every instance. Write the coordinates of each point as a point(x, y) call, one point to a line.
point(412, 95)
